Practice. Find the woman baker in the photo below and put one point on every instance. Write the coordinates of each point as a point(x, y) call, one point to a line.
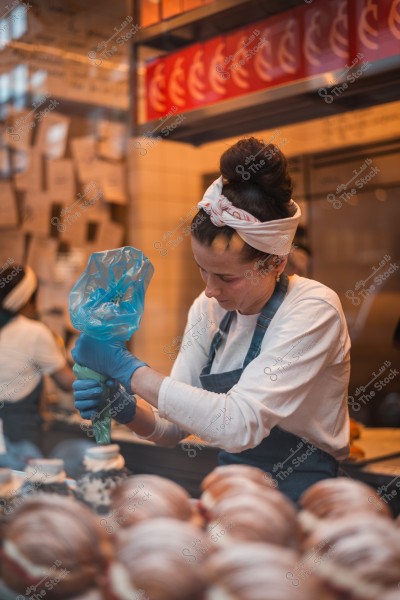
point(267, 381)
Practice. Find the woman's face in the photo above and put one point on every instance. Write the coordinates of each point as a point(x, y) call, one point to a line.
point(235, 284)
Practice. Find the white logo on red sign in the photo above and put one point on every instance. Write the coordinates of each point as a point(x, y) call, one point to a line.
point(338, 37)
point(176, 82)
point(156, 89)
point(196, 84)
point(240, 75)
point(394, 19)
point(263, 58)
point(312, 40)
point(287, 48)
point(366, 32)
point(214, 76)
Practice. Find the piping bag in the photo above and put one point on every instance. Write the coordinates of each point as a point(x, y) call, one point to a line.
point(107, 303)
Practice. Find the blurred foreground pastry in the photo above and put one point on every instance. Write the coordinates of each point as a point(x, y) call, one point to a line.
point(159, 559)
point(332, 498)
point(260, 517)
point(357, 553)
point(143, 497)
point(230, 479)
point(56, 545)
point(251, 571)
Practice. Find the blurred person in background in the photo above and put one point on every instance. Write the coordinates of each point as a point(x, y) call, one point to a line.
point(28, 351)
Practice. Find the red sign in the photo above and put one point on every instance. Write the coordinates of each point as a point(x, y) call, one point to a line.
point(344, 36)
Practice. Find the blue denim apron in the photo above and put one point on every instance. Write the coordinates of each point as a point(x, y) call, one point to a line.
point(293, 462)
point(22, 419)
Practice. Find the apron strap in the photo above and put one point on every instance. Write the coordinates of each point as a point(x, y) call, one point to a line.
point(262, 325)
point(265, 318)
point(217, 339)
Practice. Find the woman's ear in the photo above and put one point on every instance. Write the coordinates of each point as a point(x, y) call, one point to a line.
point(282, 264)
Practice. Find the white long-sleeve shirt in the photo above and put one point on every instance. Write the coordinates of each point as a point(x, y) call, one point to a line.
point(28, 351)
point(299, 381)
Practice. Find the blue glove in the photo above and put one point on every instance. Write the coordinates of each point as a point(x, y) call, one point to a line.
point(88, 398)
point(112, 359)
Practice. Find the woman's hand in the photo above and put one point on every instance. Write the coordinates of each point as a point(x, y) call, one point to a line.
point(108, 358)
point(88, 395)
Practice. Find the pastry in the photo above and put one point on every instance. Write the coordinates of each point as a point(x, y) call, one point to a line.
point(357, 553)
point(254, 571)
point(54, 545)
point(159, 559)
point(257, 517)
point(332, 498)
point(143, 497)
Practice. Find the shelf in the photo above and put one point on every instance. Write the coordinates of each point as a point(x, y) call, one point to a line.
point(208, 21)
point(283, 105)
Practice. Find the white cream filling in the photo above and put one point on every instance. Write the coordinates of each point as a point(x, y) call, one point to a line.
point(121, 584)
point(216, 592)
point(308, 520)
point(36, 571)
point(207, 500)
point(343, 577)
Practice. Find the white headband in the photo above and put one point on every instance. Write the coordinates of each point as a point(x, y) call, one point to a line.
point(271, 237)
point(20, 295)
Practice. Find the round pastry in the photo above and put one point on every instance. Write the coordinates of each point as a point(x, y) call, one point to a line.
point(105, 469)
point(357, 553)
point(45, 475)
point(332, 498)
point(253, 571)
point(231, 479)
point(160, 559)
point(144, 497)
point(250, 473)
point(53, 544)
point(264, 517)
point(228, 486)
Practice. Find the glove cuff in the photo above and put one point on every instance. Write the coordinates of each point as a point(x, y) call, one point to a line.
point(123, 407)
point(126, 382)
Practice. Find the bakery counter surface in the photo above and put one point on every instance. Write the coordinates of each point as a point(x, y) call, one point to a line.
point(185, 464)
point(188, 463)
point(380, 466)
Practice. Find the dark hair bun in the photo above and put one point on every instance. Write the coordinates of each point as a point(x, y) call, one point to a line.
point(251, 167)
point(10, 277)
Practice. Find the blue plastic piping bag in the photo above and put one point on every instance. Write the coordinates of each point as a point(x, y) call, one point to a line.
point(107, 303)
